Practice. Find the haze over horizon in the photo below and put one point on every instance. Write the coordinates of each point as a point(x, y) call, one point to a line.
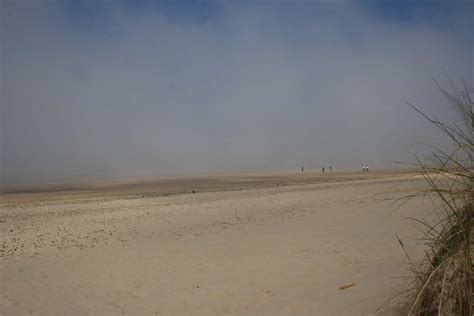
point(109, 89)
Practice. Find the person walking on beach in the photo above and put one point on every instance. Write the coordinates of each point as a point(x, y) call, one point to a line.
point(330, 168)
point(322, 169)
point(302, 169)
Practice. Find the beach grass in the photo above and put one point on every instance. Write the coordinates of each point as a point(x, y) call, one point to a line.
point(442, 284)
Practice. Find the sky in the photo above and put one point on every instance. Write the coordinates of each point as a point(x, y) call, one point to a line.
point(123, 89)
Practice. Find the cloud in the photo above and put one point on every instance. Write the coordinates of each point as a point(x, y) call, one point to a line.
point(120, 90)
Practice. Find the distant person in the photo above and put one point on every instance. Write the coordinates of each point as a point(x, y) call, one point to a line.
point(322, 169)
point(366, 167)
point(330, 168)
point(302, 169)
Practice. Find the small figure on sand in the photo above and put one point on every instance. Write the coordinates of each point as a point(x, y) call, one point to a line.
point(322, 169)
point(302, 169)
point(330, 168)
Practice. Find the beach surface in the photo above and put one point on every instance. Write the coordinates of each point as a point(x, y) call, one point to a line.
point(278, 243)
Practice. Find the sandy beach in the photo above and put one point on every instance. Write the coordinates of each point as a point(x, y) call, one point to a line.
point(236, 244)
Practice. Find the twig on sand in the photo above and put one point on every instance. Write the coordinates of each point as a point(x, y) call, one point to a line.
point(346, 286)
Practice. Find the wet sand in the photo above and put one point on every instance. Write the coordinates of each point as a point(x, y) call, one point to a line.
point(241, 244)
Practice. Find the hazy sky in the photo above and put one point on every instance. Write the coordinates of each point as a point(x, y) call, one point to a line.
point(98, 89)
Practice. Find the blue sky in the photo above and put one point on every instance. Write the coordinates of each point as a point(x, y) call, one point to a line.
point(87, 14)
point(94, 18)
point(141, 88)
point(398, 11)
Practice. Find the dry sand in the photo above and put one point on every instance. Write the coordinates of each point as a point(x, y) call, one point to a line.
point(242, 244)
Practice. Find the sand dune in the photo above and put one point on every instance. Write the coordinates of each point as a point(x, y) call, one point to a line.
point(253, 244)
